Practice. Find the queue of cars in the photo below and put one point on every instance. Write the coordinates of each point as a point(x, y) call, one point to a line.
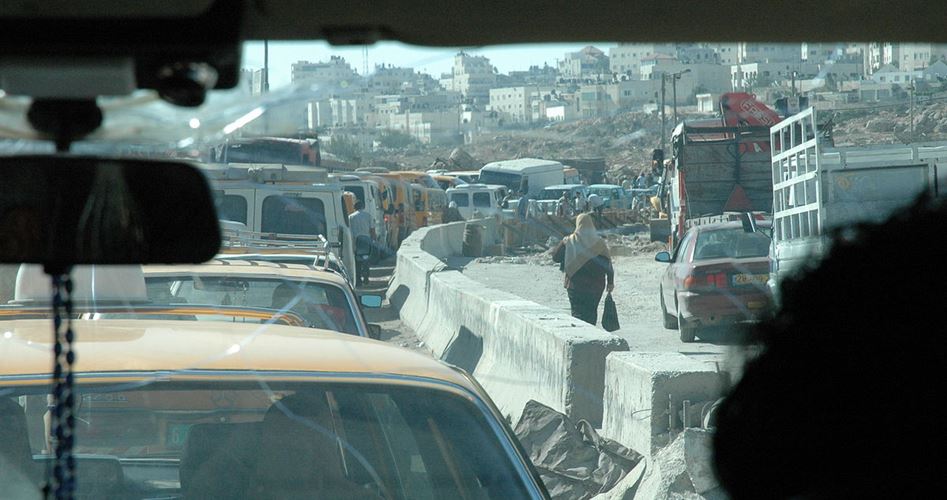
point(253, 375)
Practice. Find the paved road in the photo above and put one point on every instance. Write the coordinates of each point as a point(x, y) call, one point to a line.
point(636, 295)
point(392, 329)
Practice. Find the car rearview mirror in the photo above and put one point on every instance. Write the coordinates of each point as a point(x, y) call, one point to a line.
point(371, 301)
point(663, 257)
point(62, 210)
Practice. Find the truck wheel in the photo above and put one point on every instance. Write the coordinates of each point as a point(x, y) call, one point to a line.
point(688, 333)
point(670, 322)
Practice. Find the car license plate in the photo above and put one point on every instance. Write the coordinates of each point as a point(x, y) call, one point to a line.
point(750, 279)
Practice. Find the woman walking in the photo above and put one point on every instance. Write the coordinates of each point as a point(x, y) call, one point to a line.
point(583, 256)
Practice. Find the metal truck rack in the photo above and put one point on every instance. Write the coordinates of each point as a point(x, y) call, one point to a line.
point(818, 187)
point(256, 242)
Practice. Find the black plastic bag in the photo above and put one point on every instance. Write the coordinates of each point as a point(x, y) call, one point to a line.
point(610, 315)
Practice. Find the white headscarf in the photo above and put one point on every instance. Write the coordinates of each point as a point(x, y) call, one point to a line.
point(583, 245)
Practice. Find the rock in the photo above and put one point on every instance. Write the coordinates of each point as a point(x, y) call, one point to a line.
point(669, 474)
point(698, 456)
point(461, 160)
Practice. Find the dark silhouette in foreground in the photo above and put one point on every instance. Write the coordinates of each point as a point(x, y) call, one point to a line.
point(846, 398)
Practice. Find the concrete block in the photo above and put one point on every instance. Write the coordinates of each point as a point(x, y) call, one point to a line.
point(638, 389)
point(517, 349)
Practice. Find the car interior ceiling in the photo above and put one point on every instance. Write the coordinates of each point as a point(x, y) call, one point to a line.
point(446, 23)
point(25, 31)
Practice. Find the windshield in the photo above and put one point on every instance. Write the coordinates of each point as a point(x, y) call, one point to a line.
point(511, 181)
point(321, 305)
point(553, 194)
point(583, 309)
point(730, 243)
point(232, 439)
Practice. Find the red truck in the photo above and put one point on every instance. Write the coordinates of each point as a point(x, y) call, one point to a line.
point(718, 166)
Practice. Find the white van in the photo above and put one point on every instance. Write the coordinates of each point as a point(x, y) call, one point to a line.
point(280, 202)
point(471, 198)
point(526, 175)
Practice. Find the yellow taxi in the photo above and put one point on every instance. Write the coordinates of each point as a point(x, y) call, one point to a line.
point(172, 409)
point(323, 298)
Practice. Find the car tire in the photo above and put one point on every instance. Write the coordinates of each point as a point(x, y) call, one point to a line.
point(670, 322)
point(688, 333)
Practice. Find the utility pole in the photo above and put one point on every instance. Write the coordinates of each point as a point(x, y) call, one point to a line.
point(266, 67)
point(911, 88)
point(663, 80)
point(674, 78)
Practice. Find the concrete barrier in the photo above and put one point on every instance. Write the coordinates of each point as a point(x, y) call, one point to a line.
point(517, 349)
point(644, 393)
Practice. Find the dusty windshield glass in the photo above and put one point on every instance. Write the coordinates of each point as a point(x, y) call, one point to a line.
point(236, 440)
point(723, 171)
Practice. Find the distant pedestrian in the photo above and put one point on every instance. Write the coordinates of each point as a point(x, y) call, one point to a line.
point(362, 225)
point(583, 257)
point(596, 204)
point(522, 208)
point(580, 203)
point(563, 209)
point(452, 214)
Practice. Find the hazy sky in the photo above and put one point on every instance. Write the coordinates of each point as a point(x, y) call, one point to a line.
point(425, 59)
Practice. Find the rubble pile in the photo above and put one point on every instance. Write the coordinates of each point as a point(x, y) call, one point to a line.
point(635, 244)
point(624, 140)
point(891, 125)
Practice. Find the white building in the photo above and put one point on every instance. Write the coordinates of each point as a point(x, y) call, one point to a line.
point(697, 54)
point(822, 52)
point(706, 103)
point(890, 74)
point(744, 76)
point(253, 79)
point(390, 79)
point(588, 63)
point(430, 127)
point(473, 77)
point(727, 53)
point(749, 52)
point(632, 94)
point(625, 58)
point(514, 103)
point(907, 56)
point(476, 122)
point(331, 73)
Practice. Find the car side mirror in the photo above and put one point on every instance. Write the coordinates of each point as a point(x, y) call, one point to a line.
point(371, 301)
point(664, 257)
point(374, 331)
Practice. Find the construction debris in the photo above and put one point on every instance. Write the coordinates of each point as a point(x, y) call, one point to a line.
point(574, 462)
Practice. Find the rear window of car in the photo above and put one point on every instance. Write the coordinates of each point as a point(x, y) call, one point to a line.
point(482, 200)
point(551, 194)
point(730, 243)
point(290, 215)
point(461, 199)
point(271, 439)
point(321, 305)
